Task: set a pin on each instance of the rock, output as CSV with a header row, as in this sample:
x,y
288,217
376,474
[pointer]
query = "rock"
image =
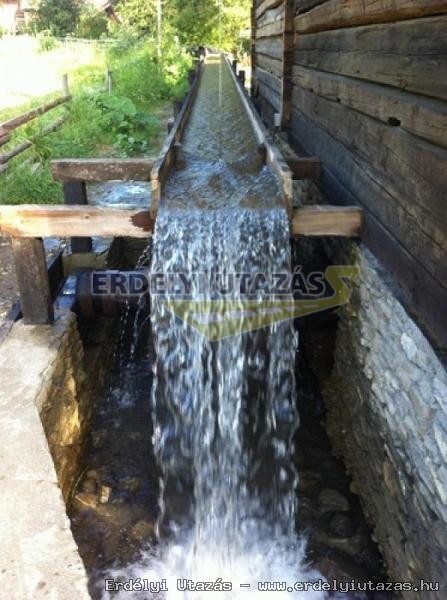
x,y
89,486
143,531
331,500
341,567
341,525
104,494
83,500
132,484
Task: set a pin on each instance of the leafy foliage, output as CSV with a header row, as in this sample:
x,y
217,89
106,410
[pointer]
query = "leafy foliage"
x,y
93,23
60,17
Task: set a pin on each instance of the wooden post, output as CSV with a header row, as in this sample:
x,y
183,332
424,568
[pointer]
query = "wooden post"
x,y
177,106
234,65
65,85
241,76
32,279
287,64
170,125
109,82
191,76
75,192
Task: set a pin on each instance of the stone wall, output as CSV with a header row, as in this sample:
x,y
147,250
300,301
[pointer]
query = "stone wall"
x,y
387,416
38,557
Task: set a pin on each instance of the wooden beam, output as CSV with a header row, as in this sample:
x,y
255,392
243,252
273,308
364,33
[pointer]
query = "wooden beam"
x,y
74,221
33,282
346,221
102,169
16,122
287,64
75,193
305,167
336,14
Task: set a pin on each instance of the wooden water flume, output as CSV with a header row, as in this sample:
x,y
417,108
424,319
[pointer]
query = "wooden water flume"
x,y
29,224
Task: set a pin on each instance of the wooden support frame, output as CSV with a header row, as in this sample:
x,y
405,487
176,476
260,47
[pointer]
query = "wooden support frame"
x,y
34,221
322,220
102,169
31,221
33,281
8,126
75,193
287,64
305,167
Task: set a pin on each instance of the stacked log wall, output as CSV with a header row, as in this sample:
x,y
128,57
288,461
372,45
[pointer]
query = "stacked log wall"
x,y
366,83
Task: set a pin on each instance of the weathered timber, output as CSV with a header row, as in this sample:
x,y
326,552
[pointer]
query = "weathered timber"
x,y
266,5
271,47
75,193
424,117
4,139
253,51
32,279
346,221
411,168
339,13
268,79
409,55
102,169
16,122
74,221
274,98
166,160
271,65
287,63
358,182
271,29
5,158
274,157
304,167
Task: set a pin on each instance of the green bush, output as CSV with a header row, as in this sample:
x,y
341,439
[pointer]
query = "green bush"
x,y
58,16
47,42
93,23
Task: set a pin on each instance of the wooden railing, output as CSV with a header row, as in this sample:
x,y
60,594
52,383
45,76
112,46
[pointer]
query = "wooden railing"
x,y
7,127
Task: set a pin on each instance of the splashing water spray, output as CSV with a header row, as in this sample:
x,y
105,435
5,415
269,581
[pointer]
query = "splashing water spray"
x,y
224,412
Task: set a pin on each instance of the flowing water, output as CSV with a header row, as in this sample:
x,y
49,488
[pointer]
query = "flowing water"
x,y
224,411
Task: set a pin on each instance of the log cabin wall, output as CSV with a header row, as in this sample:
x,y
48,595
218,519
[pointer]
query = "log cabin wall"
x,y
362,84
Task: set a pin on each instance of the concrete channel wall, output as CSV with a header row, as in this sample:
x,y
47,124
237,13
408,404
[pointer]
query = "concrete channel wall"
x,y
45,391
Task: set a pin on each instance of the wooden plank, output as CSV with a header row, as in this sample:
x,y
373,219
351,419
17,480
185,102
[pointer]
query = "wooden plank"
x,y
318,220
75,193
408,55
269,64
274,157
16,122
304,167
74,221
32,279
271,47
358,182
336,14
424,117
102,169
409,167
166,160
266,5
4,139
270,80
274,98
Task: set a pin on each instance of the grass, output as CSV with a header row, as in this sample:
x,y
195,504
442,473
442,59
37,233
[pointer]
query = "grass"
x,y
122,124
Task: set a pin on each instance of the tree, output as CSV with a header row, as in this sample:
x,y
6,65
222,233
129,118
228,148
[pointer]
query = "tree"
x,y
93,23
138,15
61,17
